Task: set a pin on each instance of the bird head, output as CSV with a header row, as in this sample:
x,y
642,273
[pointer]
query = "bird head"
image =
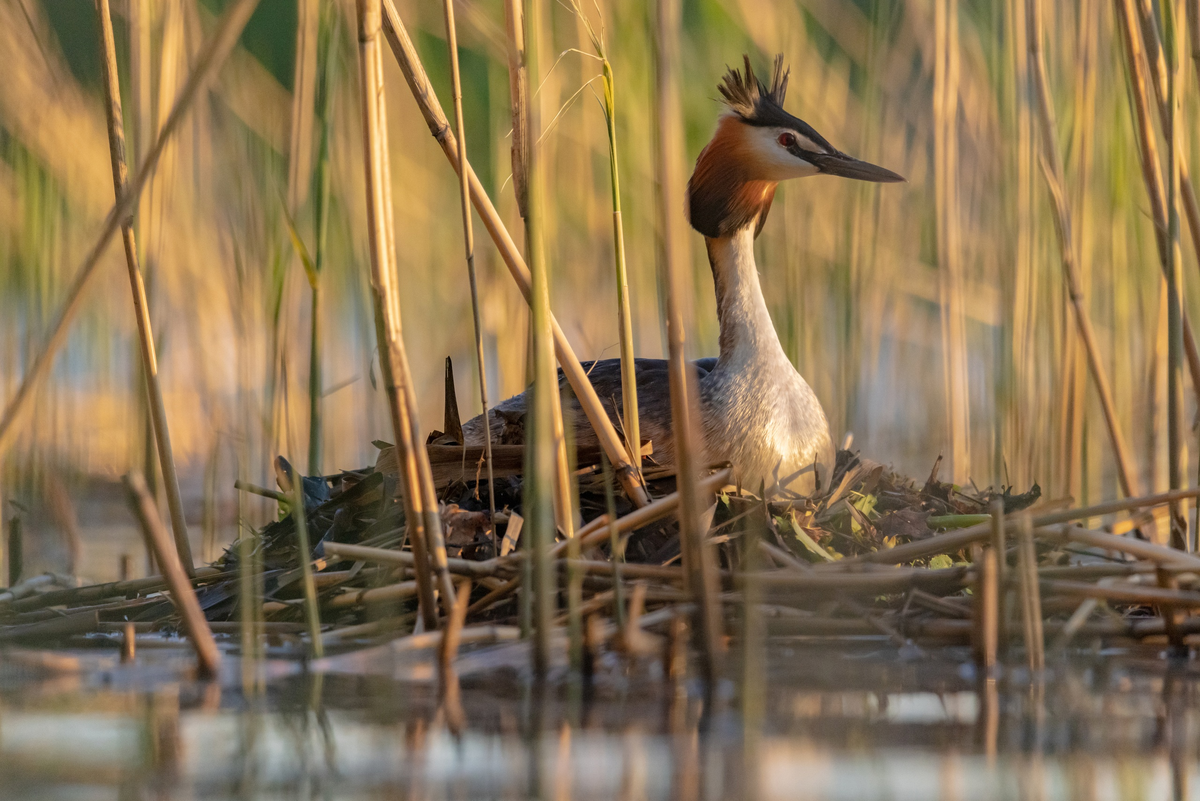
x,y
756,145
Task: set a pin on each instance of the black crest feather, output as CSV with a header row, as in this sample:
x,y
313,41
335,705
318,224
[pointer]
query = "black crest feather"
x,y
750,98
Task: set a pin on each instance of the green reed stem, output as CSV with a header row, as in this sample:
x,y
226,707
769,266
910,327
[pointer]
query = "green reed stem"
x,y
311,612
540,459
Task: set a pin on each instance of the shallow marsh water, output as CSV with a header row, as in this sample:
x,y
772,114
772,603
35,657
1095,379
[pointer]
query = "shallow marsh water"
x,y
860,722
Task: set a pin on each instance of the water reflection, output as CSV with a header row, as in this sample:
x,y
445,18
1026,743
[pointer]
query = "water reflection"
x,y
884,729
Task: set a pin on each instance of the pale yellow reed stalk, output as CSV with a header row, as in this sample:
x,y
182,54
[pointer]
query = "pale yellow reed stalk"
x,y
469,239
541,464
421,515
954,345
183,595
1053,171
158,412
697,556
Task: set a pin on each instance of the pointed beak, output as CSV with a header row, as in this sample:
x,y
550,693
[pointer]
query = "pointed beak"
x,y
837,163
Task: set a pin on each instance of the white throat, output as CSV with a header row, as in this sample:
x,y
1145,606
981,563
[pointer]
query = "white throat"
x,y
747,333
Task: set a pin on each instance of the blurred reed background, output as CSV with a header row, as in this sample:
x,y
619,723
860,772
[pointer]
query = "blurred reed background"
x,y
929,317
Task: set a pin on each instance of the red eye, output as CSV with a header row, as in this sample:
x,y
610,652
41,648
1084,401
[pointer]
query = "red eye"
x,y
787,140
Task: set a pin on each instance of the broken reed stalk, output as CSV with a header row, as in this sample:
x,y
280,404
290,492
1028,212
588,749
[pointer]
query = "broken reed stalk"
x,y
183,595
697,556
469,239
128,643
1031,599
564,506
393,360
311,613
158,413
389,556
435,119
1139,549
210,58
1052,170
254,489
540,454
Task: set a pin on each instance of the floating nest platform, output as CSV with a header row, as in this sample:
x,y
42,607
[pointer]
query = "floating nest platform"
x,y
874,554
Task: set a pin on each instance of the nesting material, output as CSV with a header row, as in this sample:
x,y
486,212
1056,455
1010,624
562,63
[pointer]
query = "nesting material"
x,y
816,571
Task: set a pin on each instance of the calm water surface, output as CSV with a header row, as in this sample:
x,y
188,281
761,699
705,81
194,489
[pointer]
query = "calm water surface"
x,y
864,722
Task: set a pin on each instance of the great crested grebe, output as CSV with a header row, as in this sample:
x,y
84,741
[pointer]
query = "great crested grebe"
x,y
757,412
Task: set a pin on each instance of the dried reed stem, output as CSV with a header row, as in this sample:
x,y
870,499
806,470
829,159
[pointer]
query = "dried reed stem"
x,y
1177,432
420,505
208,658
158,413
518,99
389,556
208,61
1074,364
250,590
595,531
1128,28
593,408
448,686
1158,74
469,239
1052,170
954,345
518,84
987,611
1164,66
1000,549
1031,598
697,556
522,59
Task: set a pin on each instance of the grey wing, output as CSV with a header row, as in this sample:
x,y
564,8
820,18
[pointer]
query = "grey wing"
x,y
654,404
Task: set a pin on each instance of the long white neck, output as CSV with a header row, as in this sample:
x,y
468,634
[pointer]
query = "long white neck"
x,y
747,333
